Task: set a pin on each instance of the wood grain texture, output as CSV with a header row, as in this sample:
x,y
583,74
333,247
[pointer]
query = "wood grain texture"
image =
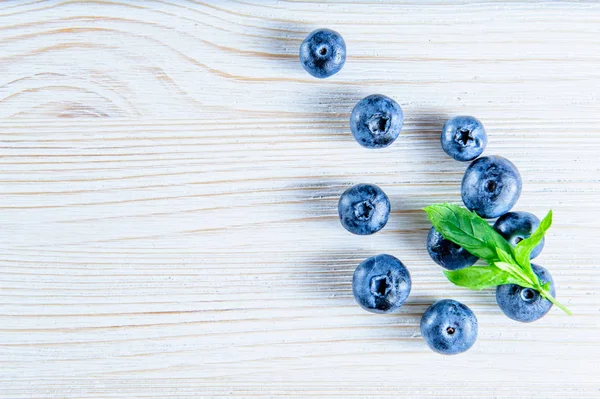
x,y
169,180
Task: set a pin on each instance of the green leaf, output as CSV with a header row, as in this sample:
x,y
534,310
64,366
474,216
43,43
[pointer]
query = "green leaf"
x,y
522,278
479,277
468,230
525,264
504,256
524,248
507,267
508,264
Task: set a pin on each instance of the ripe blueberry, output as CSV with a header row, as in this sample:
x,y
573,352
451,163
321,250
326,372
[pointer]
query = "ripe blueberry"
x,y
449,327
463,138
376,121
381,284
364,209
491,186
525,304
446,253
323,53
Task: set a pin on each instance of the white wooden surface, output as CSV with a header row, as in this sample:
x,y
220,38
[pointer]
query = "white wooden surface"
x,y
169,180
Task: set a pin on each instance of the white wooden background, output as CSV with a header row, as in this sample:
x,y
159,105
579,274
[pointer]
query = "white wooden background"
x,y
169,180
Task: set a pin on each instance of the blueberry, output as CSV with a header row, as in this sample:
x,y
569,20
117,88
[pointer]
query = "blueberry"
x,y
364,209
446,253
491,186
517,226
376,121
381,284
525,304
463,138
323,53
449,327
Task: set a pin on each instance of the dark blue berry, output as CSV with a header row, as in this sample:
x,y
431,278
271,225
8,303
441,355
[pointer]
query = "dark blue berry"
x,y
376,121
491,186
517,226
446,253
381,284
463,138
525,304
364,209
449,327
323,53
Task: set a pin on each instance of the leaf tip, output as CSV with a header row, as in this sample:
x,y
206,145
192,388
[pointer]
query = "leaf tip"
x,y
547,221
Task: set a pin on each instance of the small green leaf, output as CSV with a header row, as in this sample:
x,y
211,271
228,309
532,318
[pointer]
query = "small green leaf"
x,y
504,256
509,265
524,248
479,277
522,278
468,230
525,264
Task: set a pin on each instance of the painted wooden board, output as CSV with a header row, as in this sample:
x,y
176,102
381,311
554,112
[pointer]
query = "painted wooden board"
x,y
169,177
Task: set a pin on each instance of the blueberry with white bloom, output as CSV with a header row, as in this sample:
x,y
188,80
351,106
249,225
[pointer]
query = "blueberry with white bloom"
x,y
323,53
381,284
463,138
376,121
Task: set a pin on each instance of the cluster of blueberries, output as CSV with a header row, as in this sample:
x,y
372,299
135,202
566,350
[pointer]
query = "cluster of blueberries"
x,y
490,187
